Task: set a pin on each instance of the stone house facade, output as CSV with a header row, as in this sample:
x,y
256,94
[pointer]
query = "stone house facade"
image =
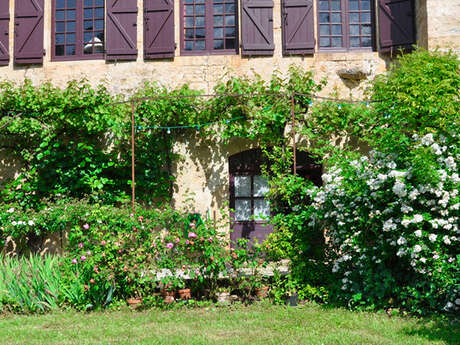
x,y
124,43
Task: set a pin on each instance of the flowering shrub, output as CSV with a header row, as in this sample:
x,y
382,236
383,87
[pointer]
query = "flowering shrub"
x,y
395,231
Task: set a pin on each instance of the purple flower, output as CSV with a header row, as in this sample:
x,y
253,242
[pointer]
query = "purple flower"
x,y
86,226
169,245
80,245
82,258
74,261
192,235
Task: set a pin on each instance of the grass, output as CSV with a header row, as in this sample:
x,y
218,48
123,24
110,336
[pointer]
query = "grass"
x,y
261,323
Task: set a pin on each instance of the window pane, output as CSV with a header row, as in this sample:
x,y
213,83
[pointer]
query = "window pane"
x,y
88,37
60,26
242,186
70,14
88,13
324,42
337,42
60,4
71,26
188,1
230,8
261,209
230,43
229,20
365,4
60,39
60,15
366,17
99,24
335,5
189,33
70,50
188,45
218,44
367,42
199,1
336,17
200,45
218,9
218,20
365,29
354,42
354,17
59,51
324,18
70,38
260,186
99,2
88,3
70,3
199,21
189,9
219,33
229,32
354,5
242,210
199,9
188,22
354,30
324,30
88,25
324,5
199,33
336,29
99,13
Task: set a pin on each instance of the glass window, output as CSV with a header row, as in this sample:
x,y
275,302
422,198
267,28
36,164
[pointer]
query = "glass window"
x,y
345,24
209,26
78,29
250,203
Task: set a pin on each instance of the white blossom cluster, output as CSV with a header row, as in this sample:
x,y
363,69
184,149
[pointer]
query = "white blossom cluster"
x,y
377,213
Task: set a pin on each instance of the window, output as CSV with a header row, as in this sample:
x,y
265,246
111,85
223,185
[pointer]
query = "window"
x,y
78,29
249,198
345,24
208,26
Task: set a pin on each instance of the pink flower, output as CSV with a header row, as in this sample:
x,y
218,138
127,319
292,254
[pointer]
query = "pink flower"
x,y
169,245
74,261
192,225
192,235
140,218
82,258
187,241
103,243
210,239
80,245
86,226
177,240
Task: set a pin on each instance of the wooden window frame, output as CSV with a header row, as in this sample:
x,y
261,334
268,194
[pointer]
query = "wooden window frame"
x,y
209,28
79,35
346,30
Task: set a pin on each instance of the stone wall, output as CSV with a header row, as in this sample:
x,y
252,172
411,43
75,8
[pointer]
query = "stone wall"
x,y
443,24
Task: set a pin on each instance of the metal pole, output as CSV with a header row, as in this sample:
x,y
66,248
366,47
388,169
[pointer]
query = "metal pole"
x,y
133,179
293,133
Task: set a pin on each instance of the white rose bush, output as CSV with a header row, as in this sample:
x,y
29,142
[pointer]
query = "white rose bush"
x,y
393,226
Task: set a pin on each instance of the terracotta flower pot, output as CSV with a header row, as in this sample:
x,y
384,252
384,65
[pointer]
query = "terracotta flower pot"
x,y
134,302
262,292
169,296
184,293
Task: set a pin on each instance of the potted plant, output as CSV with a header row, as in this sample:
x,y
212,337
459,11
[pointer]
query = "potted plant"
x,y
168,288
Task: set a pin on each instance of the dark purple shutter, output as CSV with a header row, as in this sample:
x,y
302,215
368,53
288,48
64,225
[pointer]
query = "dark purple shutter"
x,y
397,25
298,27
28,31
159,29
121,27
257,27
4,29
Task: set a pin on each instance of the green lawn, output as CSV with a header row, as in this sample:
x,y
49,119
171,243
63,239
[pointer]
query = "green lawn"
x,y
258,324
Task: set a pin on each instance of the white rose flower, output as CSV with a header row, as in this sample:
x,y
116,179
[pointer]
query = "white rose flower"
x,y
10,210
432,237
418,218
31,223
423,260
417,248
446,239
399,189
401,241
418,233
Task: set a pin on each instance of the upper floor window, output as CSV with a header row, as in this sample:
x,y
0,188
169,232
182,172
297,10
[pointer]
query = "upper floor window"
x,y
345,24
208,26
78,29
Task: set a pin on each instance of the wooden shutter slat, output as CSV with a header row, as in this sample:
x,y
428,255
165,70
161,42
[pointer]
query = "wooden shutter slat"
x,y
121,27
257,27
4,33
159,29
397,25
298,27
29,31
